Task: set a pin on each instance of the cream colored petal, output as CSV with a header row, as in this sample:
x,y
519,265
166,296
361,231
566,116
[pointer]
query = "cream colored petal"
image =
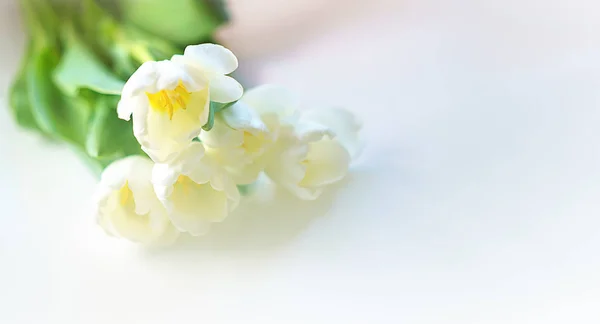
x,y
186,161
241,116
202,172
225,89
284,164
288,171
235,149
199,106
153,76
163,136
142,80
222,135
125,108
161,155
234,157
307,131
270,99
326,162
168,75
196,205
303,167
130,225
140,127
306,193
231,191
212,57
219,180
256,144
116,173
343,123
195,163
247,173
163,177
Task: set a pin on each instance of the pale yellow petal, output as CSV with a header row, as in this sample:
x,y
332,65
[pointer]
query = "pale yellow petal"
x,y
195,205
326,162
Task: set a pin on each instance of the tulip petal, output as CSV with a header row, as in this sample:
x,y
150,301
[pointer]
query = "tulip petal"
x,y
307,131
215,58
271,99
196,205
143,79
188,161
225,89
284,163
222,136
342,123
326,162
247,173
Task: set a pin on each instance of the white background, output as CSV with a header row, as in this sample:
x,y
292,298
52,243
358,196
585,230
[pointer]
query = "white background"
x,y
477,199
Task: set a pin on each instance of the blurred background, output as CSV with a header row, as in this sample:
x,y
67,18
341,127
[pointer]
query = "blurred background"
x,y
477,198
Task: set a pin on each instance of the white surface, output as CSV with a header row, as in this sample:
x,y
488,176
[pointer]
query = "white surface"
x,y
476,201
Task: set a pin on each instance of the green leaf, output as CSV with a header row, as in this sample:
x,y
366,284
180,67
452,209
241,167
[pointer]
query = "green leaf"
x,y
19,99
41,20
55,114
109,137
19,102
180,21
225,106
244,189
79,68
40,92
95,145
218,7
251,188
97,29
123,64
144,46
214,106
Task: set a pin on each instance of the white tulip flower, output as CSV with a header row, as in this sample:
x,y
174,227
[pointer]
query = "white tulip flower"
x,y
170,100
127,207
194,190
245,131
309,156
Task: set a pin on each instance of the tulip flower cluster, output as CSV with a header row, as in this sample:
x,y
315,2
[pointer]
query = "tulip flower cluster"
x,y
204,137
78,56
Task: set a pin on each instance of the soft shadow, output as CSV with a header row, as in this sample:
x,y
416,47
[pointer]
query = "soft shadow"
x,y
267,223
263,225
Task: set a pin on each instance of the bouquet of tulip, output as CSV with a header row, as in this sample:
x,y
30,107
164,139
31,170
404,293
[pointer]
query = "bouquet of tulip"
x,y
180,139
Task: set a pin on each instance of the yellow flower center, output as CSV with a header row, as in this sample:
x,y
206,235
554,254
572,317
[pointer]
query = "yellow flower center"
x,y
126,197
253,144
170,101
129,219
186,183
